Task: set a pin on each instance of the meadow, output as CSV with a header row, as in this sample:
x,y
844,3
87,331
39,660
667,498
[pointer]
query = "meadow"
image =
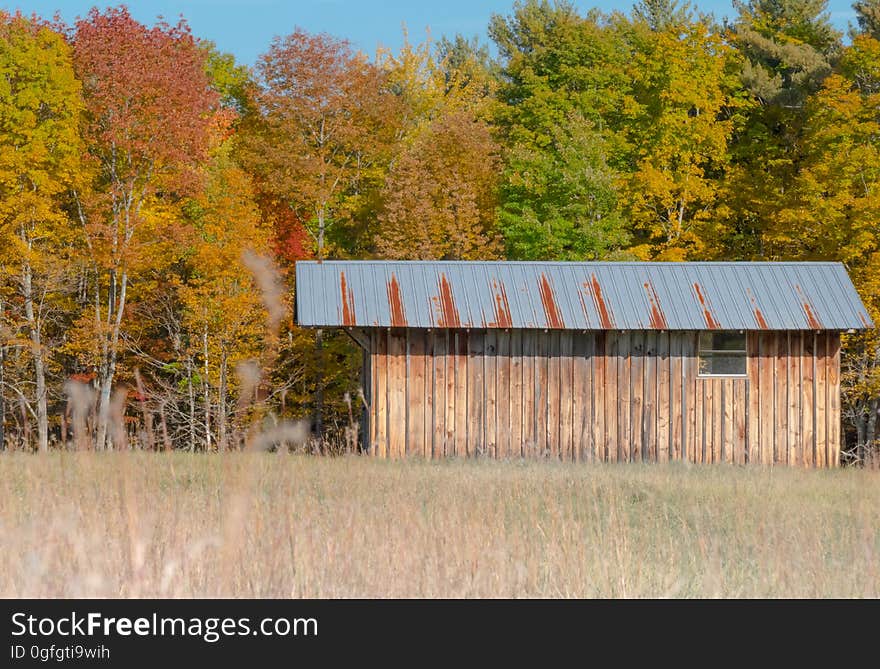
x,y
271,525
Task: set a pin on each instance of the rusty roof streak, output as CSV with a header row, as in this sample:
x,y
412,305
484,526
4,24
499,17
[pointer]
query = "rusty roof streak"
x,y
711,323
809,311
395,303
551,309
658,319
503,318
347,301
606,319
759,317
448,311
864,320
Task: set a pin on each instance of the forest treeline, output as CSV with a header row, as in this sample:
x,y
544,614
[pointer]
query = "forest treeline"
x,y
155,194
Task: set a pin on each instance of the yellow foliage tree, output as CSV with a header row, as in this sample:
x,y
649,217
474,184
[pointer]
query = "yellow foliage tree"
x,y
39,162
680,135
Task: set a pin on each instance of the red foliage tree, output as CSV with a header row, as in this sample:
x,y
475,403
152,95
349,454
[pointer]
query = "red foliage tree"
x,y
149,108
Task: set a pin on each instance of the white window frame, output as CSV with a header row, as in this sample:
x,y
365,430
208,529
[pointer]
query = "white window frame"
x,y
744,353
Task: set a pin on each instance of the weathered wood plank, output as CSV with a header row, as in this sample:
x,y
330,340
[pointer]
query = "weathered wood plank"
x,y
579,387
753,399
794,388
382,397
415,392
781,394
712,427
397,360
834,399
710,420
582,396
490,380
692,427
663,409
503,391
740,426
611,399
808,413
440,342
530,401
542,381
649,401
717,419
728,401
624,396
637,393
767,416
517,434
599,396
554,397
460,428
449,405
821,400
677,406
476,398
595,443
428,423
566,395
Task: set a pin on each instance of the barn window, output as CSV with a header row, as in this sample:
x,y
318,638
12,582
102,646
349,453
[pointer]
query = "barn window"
x,y
722,354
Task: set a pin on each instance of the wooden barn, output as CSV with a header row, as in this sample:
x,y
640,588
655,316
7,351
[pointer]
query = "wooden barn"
x,y
704,362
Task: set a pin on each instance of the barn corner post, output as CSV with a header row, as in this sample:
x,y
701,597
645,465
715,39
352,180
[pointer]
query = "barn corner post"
x,y
735,363
363,340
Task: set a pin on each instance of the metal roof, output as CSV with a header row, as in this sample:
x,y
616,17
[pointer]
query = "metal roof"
x,y
585,295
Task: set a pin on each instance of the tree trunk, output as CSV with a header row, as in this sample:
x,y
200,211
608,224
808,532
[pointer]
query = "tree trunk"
x,y
115,308
871,431
221,403
207,393
192,404
35,327
103,432
25,423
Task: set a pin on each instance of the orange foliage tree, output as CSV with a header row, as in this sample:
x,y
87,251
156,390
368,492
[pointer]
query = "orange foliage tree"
x,y
441,194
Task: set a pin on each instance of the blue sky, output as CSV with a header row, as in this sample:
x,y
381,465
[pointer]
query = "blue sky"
x,y
245,27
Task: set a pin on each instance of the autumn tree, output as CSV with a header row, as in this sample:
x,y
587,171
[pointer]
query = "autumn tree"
x,y
466,63
318,140
787,49
684,94
223,314
319,130
40,152
868,17
441,194
148,104
564,95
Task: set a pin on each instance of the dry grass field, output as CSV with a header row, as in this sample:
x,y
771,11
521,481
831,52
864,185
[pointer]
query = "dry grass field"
x,y
265,525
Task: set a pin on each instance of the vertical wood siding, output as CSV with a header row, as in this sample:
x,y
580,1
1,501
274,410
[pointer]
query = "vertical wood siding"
x,y
601,396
